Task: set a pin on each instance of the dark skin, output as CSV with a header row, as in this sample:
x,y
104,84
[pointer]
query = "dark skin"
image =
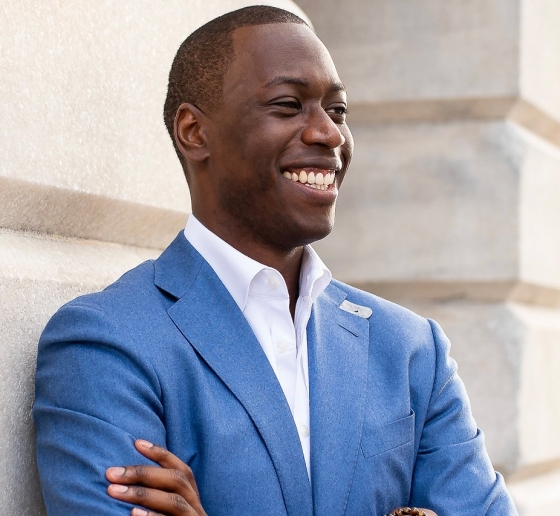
x,y
168,490
283,110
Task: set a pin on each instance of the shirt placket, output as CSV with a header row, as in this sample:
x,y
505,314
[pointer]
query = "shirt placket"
x,y
301,404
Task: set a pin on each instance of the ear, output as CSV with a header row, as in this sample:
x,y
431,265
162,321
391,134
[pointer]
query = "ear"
x,y
189,133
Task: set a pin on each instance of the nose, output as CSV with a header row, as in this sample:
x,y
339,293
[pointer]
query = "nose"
x,y
321,129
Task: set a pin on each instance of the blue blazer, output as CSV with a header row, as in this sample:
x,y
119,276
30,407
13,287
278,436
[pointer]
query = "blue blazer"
x,y
165,354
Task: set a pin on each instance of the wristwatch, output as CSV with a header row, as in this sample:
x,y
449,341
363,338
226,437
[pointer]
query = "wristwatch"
x,y
407,511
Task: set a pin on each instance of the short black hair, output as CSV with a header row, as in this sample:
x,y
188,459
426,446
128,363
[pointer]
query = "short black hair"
x,y
198,70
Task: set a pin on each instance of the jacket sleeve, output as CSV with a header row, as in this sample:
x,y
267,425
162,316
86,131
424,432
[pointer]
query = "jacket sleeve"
x,y
94,396
453,474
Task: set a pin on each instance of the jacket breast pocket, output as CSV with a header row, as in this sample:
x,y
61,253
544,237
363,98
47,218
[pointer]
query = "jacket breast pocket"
x,y
385,437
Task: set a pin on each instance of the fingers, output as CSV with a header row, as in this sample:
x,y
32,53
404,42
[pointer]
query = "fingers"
x,y
142,512
169,481
165,459
169,489
170,504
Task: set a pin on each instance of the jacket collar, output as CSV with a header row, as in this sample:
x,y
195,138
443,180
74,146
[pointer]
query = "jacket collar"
x,y
177,267
338,343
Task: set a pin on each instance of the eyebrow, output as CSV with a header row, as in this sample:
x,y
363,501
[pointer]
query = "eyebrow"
x,y
298,81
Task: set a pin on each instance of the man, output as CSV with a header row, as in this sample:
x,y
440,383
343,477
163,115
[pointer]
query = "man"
x,y
284,391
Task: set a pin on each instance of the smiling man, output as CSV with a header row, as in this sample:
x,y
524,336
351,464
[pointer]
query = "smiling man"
x,y
280,390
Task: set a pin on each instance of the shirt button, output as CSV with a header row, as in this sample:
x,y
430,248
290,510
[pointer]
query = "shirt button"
x,y
304,430
272,283
282,346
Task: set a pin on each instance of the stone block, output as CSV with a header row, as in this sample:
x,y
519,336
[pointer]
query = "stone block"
x,y
537,495
93,264
539,49
539,212
445,194
539,393
86,86
398,50
450,206
30,206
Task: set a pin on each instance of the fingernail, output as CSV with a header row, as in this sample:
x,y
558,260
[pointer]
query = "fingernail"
x,y
144,444
117,488
116,472
139,512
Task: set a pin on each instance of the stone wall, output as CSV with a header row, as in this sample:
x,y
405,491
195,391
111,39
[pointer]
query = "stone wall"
x,y
451,207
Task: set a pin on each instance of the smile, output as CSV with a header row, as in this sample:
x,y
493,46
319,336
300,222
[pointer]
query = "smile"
x,y
314,178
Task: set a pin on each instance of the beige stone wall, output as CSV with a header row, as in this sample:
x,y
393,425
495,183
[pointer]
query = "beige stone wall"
x,y
89,182
452,206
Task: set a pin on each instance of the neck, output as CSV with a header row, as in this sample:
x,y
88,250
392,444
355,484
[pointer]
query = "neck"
x,y
289,265
286,260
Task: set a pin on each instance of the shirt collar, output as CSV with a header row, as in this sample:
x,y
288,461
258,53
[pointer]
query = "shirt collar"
x,y
314,276
237,271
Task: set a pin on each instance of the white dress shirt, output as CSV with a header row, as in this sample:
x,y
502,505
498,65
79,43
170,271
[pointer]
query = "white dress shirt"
x,y
262,296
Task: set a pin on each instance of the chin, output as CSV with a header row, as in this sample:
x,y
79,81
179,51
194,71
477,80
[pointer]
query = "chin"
x,y
309,234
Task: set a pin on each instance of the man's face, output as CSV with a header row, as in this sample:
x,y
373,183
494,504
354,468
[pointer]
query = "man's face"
x,y
282,118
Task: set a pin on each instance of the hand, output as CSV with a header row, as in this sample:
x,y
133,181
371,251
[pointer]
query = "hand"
x,y
169,490
427,511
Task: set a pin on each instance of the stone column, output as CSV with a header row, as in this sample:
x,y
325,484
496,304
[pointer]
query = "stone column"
x,y
452,205
89,182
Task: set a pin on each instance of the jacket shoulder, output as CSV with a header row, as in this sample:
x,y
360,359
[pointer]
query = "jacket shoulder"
x,y
121,308
400,320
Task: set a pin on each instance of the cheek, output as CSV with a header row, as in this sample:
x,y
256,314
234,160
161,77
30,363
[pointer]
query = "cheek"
x,y
250,143
251,152
348,149
259,159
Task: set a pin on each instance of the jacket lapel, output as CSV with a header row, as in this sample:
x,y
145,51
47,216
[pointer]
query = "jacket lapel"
x,y
338,360
209,319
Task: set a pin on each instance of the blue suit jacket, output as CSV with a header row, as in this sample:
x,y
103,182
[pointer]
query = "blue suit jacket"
x,y
165,354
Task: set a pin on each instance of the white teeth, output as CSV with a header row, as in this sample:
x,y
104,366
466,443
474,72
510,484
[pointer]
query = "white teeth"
x,y
319,180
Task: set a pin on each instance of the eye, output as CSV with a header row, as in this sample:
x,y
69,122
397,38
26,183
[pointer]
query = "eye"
x,y
340,110
338,113
287,106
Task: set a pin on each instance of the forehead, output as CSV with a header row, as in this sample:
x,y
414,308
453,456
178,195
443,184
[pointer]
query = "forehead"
x,y
264,53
